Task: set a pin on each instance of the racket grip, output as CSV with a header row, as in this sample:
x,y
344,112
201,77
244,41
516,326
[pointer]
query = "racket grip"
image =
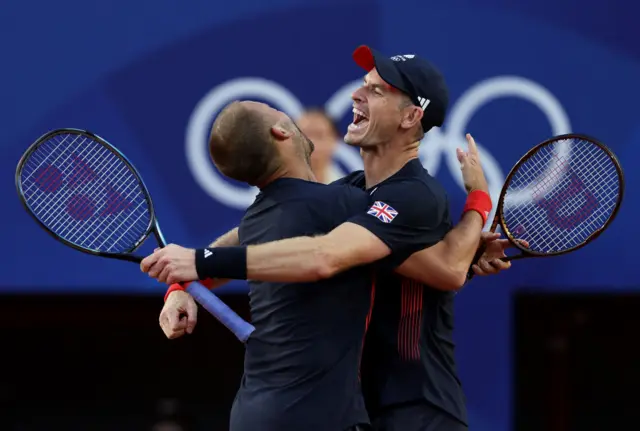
x,y
221,311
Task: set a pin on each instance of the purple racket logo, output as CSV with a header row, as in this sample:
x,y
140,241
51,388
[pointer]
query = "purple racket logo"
x,y
116,203
81,173
563,209
563,192
85,193
48,179
80,206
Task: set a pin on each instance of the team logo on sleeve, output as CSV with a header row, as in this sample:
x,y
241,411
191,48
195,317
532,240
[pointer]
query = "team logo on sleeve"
x,y
382,211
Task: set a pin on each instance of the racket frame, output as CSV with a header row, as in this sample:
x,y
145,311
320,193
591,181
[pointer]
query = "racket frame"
x,y
499,216
153,222
241,328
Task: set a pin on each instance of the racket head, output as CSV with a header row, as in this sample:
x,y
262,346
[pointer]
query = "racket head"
x,y
85,193
566,176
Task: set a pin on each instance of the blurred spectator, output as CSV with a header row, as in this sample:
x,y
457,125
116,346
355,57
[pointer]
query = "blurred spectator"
x,y
322,130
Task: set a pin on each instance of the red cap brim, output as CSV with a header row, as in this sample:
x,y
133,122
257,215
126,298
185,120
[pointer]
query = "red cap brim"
x,y
364,58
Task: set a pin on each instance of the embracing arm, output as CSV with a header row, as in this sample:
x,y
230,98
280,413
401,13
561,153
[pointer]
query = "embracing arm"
x,y
397,226
306,259
445,265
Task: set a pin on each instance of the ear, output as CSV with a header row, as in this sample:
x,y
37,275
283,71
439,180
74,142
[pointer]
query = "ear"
x,y
411,117
280,133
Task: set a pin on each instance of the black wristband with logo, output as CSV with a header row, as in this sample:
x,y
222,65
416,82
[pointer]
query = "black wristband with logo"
x,y
222,262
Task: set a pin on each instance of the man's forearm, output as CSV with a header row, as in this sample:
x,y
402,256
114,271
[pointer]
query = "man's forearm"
x,y
289,261
444,265
295,260
463,240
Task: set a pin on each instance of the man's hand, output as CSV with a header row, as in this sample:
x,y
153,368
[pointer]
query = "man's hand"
x,y
172,264
490,262
471,168
178,304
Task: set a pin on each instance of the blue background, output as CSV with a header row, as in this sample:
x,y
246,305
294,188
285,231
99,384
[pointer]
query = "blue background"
x,y
133,72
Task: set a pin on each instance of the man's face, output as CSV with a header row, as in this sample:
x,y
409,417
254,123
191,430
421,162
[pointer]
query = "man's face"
x,y
298,142
302,145
377,112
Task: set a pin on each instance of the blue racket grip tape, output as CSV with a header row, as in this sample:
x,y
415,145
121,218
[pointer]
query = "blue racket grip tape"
x,y
221,311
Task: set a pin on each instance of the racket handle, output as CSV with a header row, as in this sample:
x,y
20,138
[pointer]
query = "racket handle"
x,y
221,311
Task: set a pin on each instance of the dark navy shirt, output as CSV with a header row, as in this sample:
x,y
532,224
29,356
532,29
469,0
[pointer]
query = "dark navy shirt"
x,y
409,351
301,362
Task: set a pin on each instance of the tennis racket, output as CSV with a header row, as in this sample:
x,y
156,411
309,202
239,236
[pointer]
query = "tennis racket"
x,y
87,195
559,197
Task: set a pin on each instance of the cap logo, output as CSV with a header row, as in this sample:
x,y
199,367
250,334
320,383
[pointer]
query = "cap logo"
x,y
423,102
404,57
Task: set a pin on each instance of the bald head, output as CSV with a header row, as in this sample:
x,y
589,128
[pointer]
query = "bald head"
x,y
241,143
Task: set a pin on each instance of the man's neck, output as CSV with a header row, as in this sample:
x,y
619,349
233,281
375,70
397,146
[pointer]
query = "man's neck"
x,y
384,161
321,168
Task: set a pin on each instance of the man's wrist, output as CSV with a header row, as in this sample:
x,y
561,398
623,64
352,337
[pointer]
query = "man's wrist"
x,y
174,287
480,202
222,262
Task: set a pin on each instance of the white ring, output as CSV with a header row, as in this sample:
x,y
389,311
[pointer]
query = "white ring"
x,y
199,124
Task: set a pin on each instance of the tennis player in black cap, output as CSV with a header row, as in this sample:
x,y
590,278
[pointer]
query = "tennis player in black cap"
x,y
408,370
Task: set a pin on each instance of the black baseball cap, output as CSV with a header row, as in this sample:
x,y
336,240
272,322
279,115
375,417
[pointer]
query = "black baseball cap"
x,y
412,75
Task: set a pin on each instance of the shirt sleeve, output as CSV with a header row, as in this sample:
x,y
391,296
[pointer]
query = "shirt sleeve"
x,y
407,216
355,179
353,201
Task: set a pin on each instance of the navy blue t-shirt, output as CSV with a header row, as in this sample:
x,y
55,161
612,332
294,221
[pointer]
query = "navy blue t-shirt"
x,y
409,350
301,362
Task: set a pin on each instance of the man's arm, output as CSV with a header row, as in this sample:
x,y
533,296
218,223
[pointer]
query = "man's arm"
x,y
445,265
156,267
305,259
180,312
229,239
396,223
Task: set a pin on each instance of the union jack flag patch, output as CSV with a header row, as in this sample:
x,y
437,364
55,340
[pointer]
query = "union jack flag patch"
x,y
382,211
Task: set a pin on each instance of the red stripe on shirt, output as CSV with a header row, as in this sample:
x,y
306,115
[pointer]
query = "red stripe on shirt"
x,y
368,319
409,326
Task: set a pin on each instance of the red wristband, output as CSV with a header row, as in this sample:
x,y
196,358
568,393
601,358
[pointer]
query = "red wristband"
x,y
208,283
480,202
173,288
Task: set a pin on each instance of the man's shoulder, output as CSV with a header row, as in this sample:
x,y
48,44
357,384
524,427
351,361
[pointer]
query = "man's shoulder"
x,y
331,204
414,184
337,190
355,178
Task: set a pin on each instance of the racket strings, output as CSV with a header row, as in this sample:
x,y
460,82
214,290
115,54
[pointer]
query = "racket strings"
x,y
572,204
561,195
50,207
85,193
46,204
83,206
